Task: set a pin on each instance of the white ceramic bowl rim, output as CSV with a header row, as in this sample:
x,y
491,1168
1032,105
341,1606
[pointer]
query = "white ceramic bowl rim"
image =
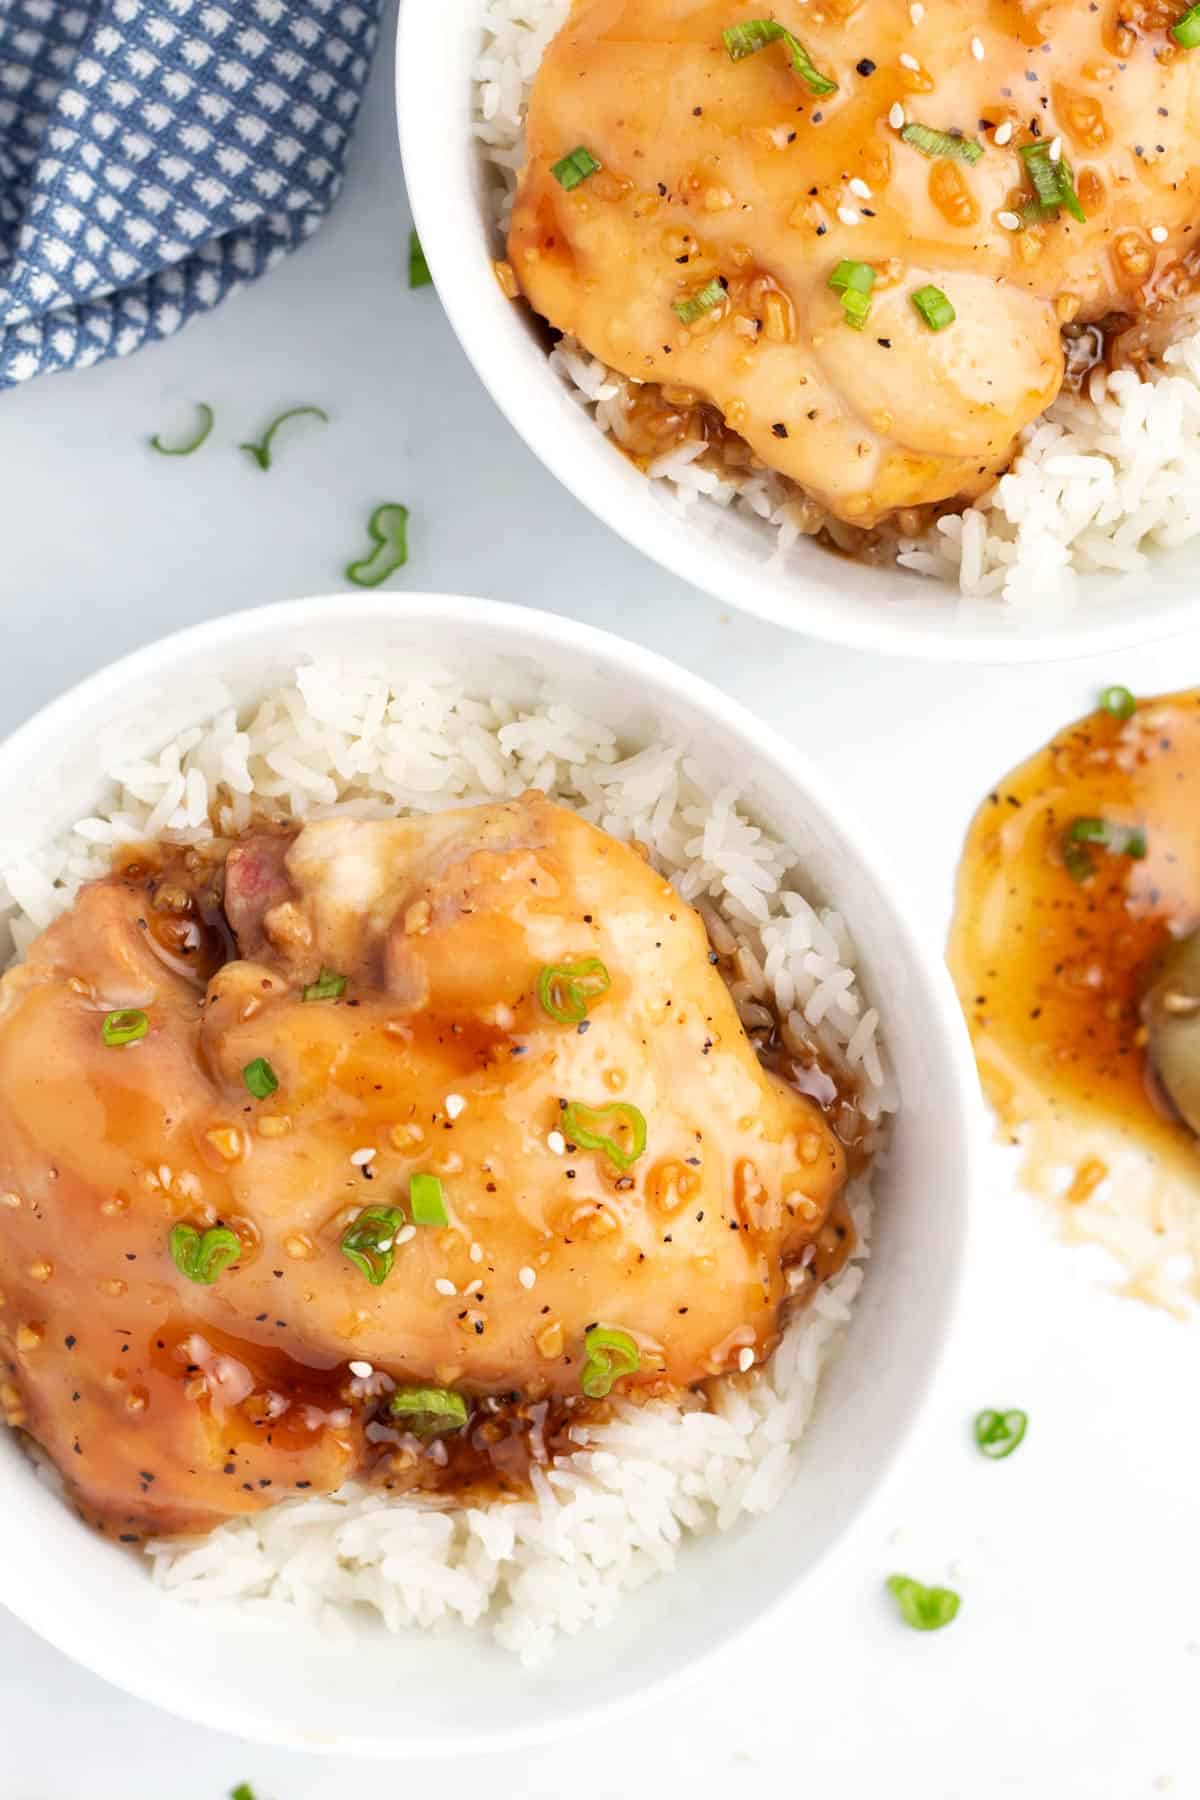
x,y
810,591
35,1581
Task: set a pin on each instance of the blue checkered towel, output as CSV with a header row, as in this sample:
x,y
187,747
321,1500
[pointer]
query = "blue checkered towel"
x,y
157,154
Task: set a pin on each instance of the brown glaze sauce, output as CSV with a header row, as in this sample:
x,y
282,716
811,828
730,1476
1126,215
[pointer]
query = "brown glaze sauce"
x,y
281,1397
1051,973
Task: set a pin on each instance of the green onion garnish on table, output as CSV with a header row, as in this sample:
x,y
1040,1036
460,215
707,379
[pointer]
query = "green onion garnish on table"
x,y
388,530
608,1354
853,282
418,268
581,1126
756,34
574,168
1119,702
695,308
124,1027
202,1256
205,425
428,1411
998,1433
1052,181
934,308
260,1078
931,142
262,452
329,985
924,1608
427,1201
1186,29
564,989
370,1242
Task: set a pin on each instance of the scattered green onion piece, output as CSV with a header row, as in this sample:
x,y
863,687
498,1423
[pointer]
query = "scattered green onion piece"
x,y
243,1791
924,1608
756,34
418,268
427,1199
203,1256
1186,29
564,989
856,308
329,986
999,1433
1118,700
709,296
1119,840
1088,831
580,1124
934,308
1053,182
427,1412
207,416
853,281
260,1078
1135,845
574,168
370,1241
262,452
931,142
387,529
124,1027
1078,863
608,1355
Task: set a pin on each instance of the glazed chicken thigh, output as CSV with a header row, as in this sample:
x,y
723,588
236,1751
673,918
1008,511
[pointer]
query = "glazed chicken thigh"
x,y
715,169
395,1009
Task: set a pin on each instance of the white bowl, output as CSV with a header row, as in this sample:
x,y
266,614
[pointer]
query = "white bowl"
x,y
422,1695
808,590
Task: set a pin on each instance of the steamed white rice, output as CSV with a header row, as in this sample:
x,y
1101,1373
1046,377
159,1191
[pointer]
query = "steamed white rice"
x,y
607,1519
1101,479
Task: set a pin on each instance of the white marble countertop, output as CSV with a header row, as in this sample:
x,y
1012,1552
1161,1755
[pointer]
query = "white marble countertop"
x,y
1073,1667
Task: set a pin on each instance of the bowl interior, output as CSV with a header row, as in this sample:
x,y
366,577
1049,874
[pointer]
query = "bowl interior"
x,y
728,555
420,1694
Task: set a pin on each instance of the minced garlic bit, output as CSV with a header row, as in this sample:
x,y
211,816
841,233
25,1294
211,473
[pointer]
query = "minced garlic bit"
x,y
226,1141
274,1125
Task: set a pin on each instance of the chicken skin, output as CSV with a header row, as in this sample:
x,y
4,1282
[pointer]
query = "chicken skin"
x,y
734,171
503,999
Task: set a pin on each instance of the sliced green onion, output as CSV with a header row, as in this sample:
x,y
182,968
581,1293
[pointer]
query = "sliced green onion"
x,y
934,308
427,1199
709,296
924,1608
418,268
428,1412
1078,863
608,1355
243,1791
1118,840
1053,182
574,168
329,986
581,1125
1119,702
205,425
999,1433
370,1242
202,1256
931,142
260,1078
854,281
564,989
262,452
124,1027
1088,831
387,529
1135,845
756,34
1186,29
856,308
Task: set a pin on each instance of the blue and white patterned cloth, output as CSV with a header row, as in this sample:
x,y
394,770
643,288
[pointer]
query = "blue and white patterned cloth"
x,y
155,155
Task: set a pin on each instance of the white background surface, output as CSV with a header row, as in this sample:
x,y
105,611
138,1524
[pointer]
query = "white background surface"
x,y
1072,1671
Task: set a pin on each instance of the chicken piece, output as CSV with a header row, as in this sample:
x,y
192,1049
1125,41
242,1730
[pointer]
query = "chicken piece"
x,y
437,1057
736,171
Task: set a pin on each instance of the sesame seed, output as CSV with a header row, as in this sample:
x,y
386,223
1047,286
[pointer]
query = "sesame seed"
x,y
745,1358
977,50
916,12
454,1105
526,1276
909,62
1159,234
858,186
1011,221
1056,149
362,1370
445,1287
557,1142
1002,133
405,1235
847,215
476,1253
896,117
360,1158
